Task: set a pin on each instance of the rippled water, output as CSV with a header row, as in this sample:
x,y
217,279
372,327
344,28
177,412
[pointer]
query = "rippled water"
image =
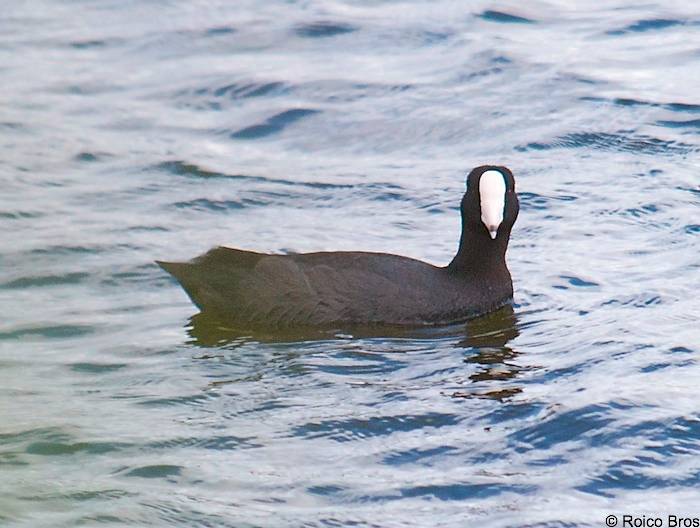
x,y
133,131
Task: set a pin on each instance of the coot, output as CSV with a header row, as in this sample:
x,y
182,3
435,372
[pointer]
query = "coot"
x,y
335,289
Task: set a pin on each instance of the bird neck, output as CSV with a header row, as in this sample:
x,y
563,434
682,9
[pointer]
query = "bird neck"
x,y
478,254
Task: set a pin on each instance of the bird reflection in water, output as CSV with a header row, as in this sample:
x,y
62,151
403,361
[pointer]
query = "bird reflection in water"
x,y
206,330
210,332
486,343
484,340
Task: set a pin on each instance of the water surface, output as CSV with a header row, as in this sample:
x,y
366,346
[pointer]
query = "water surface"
x,y
135,131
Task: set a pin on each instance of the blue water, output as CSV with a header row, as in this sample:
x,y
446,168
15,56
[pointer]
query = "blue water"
x,y
141,130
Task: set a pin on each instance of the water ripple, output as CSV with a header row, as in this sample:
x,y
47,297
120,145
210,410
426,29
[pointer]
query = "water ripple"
x,y
157,471
503,17
623,142
323,29
692,123
353,429
642,26
630,102
220,96
273,125
58,331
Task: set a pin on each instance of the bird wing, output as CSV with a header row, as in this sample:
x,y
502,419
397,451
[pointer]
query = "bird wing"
x,y
306,289
339,287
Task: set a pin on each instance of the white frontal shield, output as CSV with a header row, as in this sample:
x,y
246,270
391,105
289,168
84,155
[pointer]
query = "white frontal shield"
x,y
492,194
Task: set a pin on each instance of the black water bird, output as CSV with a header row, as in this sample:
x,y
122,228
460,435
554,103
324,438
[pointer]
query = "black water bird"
x,y
344,288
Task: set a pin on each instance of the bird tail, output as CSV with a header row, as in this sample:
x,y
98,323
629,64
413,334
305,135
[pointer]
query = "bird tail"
x,y
186,275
